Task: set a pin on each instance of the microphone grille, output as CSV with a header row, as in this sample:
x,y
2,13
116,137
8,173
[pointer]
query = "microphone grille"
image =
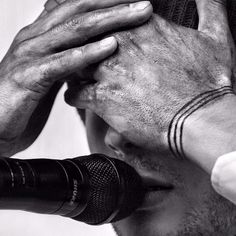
x,y
115,190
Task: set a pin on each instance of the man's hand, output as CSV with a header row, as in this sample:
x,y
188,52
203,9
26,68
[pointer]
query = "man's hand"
x,y
161,74
54,46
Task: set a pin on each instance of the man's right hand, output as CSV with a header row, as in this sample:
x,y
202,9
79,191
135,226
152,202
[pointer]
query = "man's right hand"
x,y
53,47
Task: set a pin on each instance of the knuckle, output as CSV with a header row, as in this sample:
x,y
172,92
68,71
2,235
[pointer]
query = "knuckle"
x,y
74,23
89,23
45,70
83,55
20,75
78,24
86,25
80,5
22,34
21,49
99,18
17,51
52,68
95,17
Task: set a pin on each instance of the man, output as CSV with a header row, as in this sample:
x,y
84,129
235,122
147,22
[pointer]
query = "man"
x,y
43,53
132,86
160,64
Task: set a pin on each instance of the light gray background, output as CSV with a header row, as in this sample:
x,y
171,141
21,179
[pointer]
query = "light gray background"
x,y
63,136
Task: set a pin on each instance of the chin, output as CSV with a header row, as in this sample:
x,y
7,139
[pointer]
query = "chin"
x,y
218,219
164,219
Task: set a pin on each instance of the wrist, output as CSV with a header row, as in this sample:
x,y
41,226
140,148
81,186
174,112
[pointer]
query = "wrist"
x,y
211,132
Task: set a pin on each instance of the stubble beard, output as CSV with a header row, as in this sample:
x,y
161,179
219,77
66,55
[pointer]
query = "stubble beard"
x,y
217,219
216,216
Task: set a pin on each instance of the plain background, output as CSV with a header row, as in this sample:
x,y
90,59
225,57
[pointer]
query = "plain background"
x,y
62,137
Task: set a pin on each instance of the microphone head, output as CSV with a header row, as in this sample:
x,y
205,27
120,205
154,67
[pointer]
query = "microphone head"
x,y
115,190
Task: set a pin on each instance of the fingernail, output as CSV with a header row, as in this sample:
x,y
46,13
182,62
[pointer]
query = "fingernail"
x,y
140,5
107,41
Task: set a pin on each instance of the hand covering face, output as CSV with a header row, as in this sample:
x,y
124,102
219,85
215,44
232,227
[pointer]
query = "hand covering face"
x,y
161,74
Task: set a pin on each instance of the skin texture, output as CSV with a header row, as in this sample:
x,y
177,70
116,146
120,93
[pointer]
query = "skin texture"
x,y
192,207
44,53
136,96
158,69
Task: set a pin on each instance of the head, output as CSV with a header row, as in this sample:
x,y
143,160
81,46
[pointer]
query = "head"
x,y
191,207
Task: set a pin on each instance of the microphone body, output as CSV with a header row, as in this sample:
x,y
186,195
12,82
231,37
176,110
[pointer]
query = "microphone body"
x,y
93,189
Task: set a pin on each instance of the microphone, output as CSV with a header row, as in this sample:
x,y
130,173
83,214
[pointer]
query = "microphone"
x,y
94,189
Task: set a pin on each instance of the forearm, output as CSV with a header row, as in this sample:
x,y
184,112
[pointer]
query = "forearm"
x,y
211,132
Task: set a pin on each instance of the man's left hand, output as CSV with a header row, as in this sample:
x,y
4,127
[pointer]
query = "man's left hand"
x,y
159,69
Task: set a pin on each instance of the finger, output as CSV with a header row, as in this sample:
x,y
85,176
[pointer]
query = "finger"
x,y
55,13
80,29
60,10
62,64
46,20
86,5
82,97
48,7
213,19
